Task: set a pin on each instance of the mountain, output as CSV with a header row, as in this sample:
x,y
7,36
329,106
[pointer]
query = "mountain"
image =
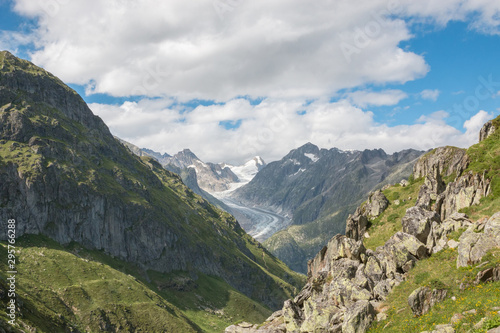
x,y
79,195
247,171
211,177
416,258
316,189
188,175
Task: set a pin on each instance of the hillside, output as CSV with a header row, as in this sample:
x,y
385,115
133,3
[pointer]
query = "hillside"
x,y
420,257
65,177
317,189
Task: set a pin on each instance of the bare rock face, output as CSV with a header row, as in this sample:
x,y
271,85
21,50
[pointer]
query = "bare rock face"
x,y
418,221
433,186
421,300
487,130
438,236
464,192
358,317
338,247
356,225
450,160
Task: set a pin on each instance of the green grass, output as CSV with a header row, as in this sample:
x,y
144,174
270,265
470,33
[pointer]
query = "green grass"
x,y
389,222
439,271
485,158
88,289
482,297
85,294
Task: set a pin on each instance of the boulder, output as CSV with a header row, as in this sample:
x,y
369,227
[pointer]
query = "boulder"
x,y
473,245
417,222
373,269
358,317
377,203
397,251
421,300
382,289
488,275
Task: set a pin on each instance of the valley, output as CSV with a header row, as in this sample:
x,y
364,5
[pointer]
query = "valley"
x,y
259,223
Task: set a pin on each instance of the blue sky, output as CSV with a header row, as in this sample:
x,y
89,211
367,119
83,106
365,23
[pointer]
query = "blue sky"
x,y
233,79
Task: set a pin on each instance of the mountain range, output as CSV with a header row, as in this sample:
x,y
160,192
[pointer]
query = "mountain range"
x,y
316,189
70,184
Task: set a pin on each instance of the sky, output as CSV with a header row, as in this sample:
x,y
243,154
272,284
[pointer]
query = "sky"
x,y
231,79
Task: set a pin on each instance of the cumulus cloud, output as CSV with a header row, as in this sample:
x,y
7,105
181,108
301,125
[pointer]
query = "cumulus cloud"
x,y
283,52
274,127
222,49
430,94
363,98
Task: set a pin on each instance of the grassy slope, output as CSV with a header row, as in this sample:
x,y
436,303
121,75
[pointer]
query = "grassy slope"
x,y
89,289
440,269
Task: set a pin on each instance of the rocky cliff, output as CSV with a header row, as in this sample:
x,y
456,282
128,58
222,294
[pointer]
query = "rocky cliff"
x,y
63,175
348,283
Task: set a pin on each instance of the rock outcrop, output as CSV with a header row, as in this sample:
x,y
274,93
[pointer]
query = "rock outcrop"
x,y
464,192
346,281
487,130
418,221
477,240
357,223
451,160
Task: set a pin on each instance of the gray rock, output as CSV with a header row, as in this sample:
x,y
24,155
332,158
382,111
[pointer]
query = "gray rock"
x,y
473,245
358,317
382,289
487,130
338,247
450,159
438,236
464,192
488,275
398,250
356,225
293,316
373,269
421,300
417,222
377,203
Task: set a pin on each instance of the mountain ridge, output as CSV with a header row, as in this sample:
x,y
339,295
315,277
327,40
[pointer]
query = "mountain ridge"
x,y
63,175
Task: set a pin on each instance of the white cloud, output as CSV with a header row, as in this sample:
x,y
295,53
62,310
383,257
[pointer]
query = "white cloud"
x,y
257,48
429,94
274,127
363,98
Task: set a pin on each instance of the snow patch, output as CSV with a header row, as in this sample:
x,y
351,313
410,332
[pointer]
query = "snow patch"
x,y
312,157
